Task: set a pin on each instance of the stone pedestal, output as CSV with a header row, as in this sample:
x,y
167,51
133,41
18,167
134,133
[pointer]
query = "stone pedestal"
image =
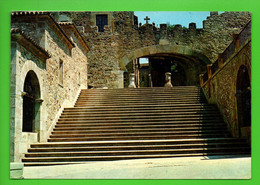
x,y
132,81
16,170
168,79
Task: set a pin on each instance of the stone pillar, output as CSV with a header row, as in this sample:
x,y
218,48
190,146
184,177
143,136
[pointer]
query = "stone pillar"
x,y
132,81
209,68
220,60
236,41
168,80
201,79
38,118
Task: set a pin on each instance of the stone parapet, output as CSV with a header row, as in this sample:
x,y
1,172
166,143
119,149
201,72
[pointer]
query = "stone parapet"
x,y
122,37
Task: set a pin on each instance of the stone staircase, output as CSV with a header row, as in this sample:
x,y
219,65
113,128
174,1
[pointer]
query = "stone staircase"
x,y
117,124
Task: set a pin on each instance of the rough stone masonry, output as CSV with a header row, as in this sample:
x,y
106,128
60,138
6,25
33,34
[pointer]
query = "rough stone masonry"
x,y
122,36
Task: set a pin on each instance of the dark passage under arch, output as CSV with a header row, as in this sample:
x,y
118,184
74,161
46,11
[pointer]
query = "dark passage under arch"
x,y
32,92
243,92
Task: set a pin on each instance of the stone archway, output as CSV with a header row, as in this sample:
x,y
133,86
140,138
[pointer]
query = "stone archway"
x,y
243,96
150,50
189,63
31,104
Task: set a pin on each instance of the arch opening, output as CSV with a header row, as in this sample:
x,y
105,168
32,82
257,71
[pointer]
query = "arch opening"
x,y
184,70
162,65
243,96
31,108
184,64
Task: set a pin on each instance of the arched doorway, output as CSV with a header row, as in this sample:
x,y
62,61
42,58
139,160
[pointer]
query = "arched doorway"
x,y
184,63
243,95
30,105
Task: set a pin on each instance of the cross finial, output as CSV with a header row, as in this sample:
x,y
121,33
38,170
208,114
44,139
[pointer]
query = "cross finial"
x,y
146,19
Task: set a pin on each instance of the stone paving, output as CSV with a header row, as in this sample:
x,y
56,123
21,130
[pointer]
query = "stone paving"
x,y
221,167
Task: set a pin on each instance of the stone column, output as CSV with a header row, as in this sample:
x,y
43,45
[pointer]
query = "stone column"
x,y
168,79
220,60
38,118
201,79
209,68
236,41
132,80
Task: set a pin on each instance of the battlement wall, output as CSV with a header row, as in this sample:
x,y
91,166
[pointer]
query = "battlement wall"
x,y
123,36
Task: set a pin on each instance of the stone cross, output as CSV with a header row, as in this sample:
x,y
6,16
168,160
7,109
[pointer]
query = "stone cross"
x,y
146,19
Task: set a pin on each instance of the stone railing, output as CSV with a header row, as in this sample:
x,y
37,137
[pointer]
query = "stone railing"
x,y
220,82
238,41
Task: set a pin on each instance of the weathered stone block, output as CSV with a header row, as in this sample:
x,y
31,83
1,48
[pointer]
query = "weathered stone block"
x,y
16,170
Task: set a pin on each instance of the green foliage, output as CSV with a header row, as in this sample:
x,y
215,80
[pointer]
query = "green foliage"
x,y
171,26
173,68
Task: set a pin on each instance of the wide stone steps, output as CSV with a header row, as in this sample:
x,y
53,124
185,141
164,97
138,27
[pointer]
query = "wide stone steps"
x,y
175,142
146,97
136,114
133,111
131,104
140,97
125,102
139,117
146,106
135,120
146,89
131,152
106,158
73,159
127,148
120,128
78,152
121,124
136,137
139,132
131,129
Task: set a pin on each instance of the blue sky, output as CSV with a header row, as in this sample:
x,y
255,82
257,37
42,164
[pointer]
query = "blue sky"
x,y
183,18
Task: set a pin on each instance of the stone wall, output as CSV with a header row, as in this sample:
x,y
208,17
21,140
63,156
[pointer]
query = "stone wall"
x,y
220,86
22,62
74,74
55,94
122,37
